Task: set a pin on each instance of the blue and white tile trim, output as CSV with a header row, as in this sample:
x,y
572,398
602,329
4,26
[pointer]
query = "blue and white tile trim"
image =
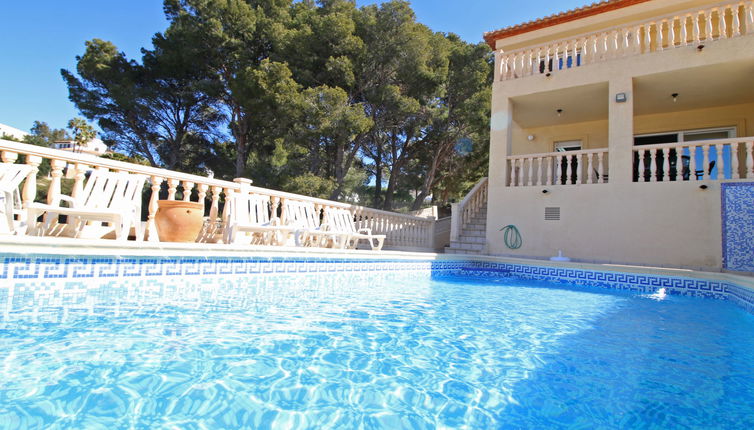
x,y
36,269
634,282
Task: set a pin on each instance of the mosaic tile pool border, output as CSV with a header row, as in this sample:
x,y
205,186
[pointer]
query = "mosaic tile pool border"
x,y
24,268
624,281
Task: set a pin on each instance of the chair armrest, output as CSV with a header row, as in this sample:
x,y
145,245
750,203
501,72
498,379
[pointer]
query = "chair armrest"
x,y
324,227
71,202
365,230
275,221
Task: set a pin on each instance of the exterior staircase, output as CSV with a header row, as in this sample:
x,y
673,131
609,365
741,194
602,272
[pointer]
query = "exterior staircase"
x,y
468,226
471,239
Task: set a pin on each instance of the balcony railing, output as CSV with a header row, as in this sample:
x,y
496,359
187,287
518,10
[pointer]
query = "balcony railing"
x,y
404,232
688,28
588,166
468,208
695,161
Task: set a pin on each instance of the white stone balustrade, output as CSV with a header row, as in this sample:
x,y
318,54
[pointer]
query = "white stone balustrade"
x,y
589,166
702,160
688,28
404,232
463,212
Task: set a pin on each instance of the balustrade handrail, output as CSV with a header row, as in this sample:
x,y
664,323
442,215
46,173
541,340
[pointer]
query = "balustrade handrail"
x,y
624,40
710,142
473,192
92,160
559,153
402,230
631,25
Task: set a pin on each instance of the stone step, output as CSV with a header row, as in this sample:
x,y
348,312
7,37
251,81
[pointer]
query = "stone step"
x,y
472,246
478,227
472,233
471,239
449,250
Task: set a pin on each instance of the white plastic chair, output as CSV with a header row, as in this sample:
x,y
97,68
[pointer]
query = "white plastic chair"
x,y
249,221
341,220
12,216
111,197
304,218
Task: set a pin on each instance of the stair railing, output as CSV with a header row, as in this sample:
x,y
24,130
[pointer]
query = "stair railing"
x,y
463,212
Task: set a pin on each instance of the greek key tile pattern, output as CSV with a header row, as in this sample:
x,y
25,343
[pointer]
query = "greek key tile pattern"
x,y
634,282
36,270
738,225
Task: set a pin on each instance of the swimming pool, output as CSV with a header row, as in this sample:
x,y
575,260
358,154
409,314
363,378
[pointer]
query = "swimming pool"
x,y
234,343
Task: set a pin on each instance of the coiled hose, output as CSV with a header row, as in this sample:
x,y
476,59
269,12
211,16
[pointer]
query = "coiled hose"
x,y
512,237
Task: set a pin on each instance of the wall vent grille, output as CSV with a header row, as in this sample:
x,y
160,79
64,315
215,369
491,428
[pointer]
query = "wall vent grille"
x,y
552,214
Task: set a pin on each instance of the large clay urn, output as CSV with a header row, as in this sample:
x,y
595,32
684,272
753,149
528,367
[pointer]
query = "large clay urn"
x,y
179,221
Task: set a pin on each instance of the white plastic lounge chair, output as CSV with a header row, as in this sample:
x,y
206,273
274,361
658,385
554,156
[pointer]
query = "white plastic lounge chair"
x,y
110,197
249,221
12,216
304,219
341,220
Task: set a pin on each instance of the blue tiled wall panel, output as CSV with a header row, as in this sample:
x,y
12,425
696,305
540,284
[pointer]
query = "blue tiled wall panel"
x,y
37,269
738,225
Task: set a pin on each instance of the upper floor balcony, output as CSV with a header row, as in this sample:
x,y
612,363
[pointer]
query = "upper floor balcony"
x,y
691,27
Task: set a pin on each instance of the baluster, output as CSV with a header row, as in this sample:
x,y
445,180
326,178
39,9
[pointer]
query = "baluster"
x,y
538,61
666,165
749,16
736,21
556,57
637,40
578,166
589,175
172,187
684,31
697,28
600,168
648,37
29,192
503,67
512,182
214,205
548,172
660,35
591,50
187,187
679,163
548,58
56,172
703,167
749,164
652,165
9,157
642,166
569,170
722,26
559,167
735,174
671,32
154,196
708,26
202,188
530,179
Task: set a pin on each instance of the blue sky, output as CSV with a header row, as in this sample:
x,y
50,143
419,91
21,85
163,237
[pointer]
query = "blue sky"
x,y
39,37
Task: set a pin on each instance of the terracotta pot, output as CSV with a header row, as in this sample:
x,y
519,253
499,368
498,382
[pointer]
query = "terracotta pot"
x,y
179,221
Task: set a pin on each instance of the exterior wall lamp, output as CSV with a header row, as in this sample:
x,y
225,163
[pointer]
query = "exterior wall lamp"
x,y
621,98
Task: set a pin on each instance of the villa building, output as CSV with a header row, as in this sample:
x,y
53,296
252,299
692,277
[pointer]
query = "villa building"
x,y
93,147
621,132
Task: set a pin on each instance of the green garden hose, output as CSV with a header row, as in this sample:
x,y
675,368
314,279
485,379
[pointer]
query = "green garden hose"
x,y
512,237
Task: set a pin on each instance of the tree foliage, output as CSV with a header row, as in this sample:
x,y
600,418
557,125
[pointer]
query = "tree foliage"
x,y
321,98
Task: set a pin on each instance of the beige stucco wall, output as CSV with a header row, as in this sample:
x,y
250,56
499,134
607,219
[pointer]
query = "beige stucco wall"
x,y
657,224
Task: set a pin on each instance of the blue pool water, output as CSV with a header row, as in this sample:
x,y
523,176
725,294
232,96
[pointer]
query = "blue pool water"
x,y
369,351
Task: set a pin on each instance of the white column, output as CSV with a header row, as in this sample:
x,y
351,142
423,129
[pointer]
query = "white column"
x,y
621,130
